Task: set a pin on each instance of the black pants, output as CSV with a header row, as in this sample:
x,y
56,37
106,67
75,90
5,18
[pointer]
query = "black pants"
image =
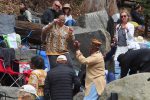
x,y
52,60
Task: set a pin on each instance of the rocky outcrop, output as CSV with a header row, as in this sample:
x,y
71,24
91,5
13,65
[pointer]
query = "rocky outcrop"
x,y
92,25
79,96
30,31
98,5
133,87
111,7
11,93
94,5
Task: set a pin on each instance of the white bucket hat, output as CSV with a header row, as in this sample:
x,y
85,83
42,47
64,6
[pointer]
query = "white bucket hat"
x,y
139,39
30,89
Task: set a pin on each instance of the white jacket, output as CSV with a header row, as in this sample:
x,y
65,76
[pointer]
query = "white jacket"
x,y
129,33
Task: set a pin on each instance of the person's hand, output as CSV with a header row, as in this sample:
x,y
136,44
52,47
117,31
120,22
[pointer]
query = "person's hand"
x,y
114,41
125,27
70,30
76,45
56,21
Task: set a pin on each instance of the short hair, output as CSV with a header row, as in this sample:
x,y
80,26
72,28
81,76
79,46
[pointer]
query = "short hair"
x,y
37,62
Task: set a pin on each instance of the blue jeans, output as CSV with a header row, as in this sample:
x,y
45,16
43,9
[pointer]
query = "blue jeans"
x,y
120,50
117,70
93,95
40,98
70,23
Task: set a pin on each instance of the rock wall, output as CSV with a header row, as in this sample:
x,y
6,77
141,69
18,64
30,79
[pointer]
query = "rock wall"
x,y
92,25
11,92
98,5
133,87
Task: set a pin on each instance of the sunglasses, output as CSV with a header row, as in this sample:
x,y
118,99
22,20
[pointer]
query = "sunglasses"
x,y
57,5
123,16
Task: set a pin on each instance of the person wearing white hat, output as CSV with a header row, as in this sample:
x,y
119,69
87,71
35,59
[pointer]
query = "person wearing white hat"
x,y
61,59
27,92
60,81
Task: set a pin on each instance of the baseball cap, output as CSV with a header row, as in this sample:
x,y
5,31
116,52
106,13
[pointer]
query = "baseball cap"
x,y
30,89
61,57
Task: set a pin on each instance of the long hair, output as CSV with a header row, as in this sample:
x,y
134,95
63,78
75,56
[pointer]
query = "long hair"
x,y
69,13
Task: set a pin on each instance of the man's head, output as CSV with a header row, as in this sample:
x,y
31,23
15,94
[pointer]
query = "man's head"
x,y
95,44
57,5
61,59
61,19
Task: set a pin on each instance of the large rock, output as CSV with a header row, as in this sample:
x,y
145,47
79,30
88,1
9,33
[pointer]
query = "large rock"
x,y
92,25
79,96
133,87
7,23
94,5
29,31
25,55
112,7
98,5
11,92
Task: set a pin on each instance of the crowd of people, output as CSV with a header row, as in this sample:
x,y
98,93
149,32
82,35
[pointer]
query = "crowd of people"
x,y
62,82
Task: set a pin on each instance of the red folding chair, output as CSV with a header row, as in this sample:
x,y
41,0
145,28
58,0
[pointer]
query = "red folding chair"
x,y
23,70
8,70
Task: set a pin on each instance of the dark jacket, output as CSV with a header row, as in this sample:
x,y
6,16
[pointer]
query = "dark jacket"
x,y
49,15
139,18
59,83
134,60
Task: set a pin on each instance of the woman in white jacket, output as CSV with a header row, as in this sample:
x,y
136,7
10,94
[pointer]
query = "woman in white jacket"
x,y
123,37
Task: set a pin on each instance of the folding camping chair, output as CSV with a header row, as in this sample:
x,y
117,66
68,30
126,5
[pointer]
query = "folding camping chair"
x,y
24,70
8,70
